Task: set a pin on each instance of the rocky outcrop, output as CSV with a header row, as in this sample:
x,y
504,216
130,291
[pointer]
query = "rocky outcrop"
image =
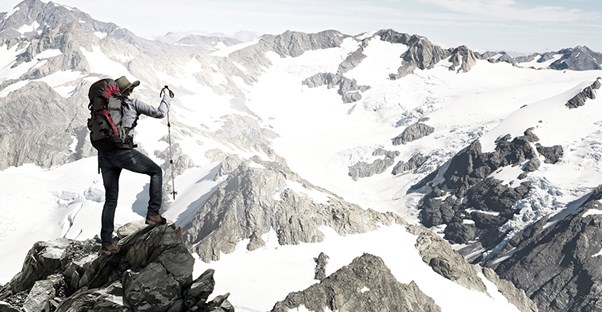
x,y
363,169
412,133
587,93
321,262
364,285
291,43
578,58
266,196
443,259
348,89
151,272
471,205
413,163
557,261
552,154
462,59
421,54
352,60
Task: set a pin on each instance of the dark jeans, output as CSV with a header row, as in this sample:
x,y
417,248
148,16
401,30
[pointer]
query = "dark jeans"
x,y
111,163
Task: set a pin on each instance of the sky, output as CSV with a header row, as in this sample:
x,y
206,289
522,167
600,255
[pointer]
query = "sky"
x,y
510,25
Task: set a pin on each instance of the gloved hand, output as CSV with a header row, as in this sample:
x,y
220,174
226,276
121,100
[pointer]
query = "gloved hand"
x,y
166,91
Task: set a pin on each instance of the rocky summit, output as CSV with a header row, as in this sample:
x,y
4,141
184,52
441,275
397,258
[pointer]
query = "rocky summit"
x,y
151,272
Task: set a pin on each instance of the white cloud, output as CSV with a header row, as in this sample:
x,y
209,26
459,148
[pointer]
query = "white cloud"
x,y
511,10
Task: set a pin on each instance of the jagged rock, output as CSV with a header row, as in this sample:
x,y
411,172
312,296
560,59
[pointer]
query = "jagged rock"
x,y
578,58
421,54
352,61
254,201
151,272
294,44
320,271
364,285
413,133
462,59
558,264
551,154
474,206
438,253
531,165
42,292
584,95
413,163
364,170
347,88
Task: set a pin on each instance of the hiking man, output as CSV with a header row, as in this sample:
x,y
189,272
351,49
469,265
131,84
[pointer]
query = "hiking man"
x,y
112,161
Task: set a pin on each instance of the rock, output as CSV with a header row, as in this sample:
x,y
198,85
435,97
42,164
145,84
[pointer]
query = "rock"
x,y
364,170
320,271
364,285
413,163
515,296
244,205
462,59
151,272
421,54
552,154
348,89
587,93
413,133
558,265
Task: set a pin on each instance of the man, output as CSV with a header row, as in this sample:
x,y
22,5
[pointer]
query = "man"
x,y
126,157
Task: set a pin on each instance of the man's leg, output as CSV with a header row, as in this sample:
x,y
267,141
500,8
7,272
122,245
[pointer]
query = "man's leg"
x,y
140,163
110,178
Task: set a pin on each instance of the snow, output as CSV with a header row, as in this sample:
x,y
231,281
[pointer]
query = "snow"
x,y
101,64
315,195
100,35
383,58
225,51
535,62
29,28
592,212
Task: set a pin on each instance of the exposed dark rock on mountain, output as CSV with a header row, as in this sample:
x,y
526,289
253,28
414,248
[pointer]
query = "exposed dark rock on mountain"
x,y
587,93
364,170
349,89
578,58
447,262
412,133
254,201
413,163
352,60
421,54
556,260
552,154
472,205
151,272
364,285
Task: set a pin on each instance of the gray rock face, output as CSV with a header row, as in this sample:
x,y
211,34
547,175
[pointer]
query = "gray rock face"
x,y
421,54
438,254
364,170
348,89
578,58
413,132
413,163
552,154
462,59
584,95
558,266
254,201
473,206
151,272
321,262
447,262
294,44
364,285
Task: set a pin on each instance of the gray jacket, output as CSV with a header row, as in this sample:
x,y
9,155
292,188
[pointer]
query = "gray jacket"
x,y
133,108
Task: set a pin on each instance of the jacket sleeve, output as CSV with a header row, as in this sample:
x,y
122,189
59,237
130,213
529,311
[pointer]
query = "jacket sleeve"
x,y
145,109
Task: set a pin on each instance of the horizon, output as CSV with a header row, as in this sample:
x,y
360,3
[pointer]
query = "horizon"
x,y
482,25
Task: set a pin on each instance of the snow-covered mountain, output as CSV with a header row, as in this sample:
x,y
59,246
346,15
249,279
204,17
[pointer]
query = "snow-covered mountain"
x,y
299,145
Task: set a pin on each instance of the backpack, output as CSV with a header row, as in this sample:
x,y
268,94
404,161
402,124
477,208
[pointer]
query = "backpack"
x,y
105,116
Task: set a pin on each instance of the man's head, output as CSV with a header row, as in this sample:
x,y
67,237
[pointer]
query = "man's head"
x,y
125,86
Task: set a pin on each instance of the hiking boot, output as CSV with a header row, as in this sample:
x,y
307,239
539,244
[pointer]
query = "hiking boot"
x,y
153,219
110,249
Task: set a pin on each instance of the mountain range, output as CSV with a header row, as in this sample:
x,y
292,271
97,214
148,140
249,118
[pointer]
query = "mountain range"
x,y
314,171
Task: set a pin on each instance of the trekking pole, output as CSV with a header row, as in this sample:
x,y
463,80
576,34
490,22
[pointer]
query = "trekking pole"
x,y
173,184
